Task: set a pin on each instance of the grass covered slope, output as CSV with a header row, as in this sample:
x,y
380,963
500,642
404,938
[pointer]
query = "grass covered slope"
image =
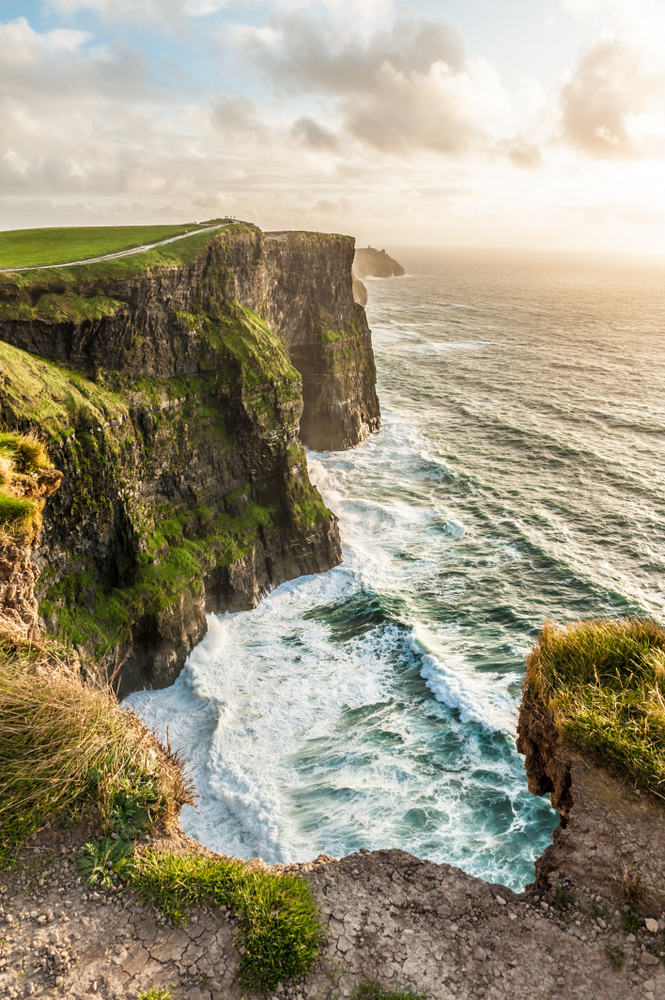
x,y
39,247
603,684
68,748
69,754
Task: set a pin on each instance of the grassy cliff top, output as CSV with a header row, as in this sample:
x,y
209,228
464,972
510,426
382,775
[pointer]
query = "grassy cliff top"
x,y
40,247
34,245
603,683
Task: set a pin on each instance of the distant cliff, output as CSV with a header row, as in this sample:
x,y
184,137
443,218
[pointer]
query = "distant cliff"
x,y
174,400
371,263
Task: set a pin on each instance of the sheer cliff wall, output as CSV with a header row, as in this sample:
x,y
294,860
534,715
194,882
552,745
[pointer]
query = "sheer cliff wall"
x,y
174,399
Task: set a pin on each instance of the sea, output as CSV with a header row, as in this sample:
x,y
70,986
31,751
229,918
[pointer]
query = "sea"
x,y
519,476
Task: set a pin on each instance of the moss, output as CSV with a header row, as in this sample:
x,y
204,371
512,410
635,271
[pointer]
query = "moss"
x,y
58,308
603,684
171,566
52,397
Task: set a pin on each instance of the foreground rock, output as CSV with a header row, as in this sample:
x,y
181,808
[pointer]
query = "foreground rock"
x,y
387,915
610,834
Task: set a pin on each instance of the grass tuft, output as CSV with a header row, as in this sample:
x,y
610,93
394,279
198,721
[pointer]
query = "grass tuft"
x,y
371,989
66,746
279,931
165,993
615,954
603,683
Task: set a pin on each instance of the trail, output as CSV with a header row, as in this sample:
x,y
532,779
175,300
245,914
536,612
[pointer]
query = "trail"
x,y
121,253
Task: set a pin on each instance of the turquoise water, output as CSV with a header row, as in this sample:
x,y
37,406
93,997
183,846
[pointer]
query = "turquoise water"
x,y
519,475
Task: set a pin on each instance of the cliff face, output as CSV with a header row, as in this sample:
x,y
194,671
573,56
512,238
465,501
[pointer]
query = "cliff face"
x,y
610,836
310,305
175,413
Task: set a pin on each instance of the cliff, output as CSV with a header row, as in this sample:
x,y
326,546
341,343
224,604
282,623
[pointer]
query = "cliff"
x,y
371,263
591,728
174,393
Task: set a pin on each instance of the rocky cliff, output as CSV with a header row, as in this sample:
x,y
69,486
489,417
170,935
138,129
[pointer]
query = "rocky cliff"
x,y
610,835
174,398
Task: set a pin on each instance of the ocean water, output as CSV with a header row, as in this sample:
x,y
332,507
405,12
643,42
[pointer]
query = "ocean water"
x,y
519,475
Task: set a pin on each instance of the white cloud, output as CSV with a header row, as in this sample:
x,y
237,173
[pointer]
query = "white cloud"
x,y
611,104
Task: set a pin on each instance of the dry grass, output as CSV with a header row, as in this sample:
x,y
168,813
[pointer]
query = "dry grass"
x,y
603,682
67,746
22,458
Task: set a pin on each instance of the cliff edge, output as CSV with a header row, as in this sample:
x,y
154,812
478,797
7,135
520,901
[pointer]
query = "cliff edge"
x,y
591,727
174,390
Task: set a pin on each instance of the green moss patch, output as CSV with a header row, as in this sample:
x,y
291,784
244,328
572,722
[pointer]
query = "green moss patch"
x,y
53,397
603,683
58,308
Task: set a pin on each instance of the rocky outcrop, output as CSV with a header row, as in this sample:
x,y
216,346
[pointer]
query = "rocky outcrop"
x,y
176,415
371,263
610,835
19,610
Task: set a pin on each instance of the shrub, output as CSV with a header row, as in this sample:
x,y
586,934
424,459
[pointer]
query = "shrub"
x,y
66,745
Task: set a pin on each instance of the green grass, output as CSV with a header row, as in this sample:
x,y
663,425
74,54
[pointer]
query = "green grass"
x,y
173,255
36,247
54,398
615,954
22,456
279,929
67,746
603,683
165,993
371,989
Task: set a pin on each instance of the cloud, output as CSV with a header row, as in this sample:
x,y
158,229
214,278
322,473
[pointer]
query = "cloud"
x,y
401,90
315,136
236,116
611,107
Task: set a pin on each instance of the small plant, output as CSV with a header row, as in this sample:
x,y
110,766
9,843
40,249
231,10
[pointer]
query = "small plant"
x,y
372,989
563,899
597,911
630,920
615,954
631,887
165,993
103,859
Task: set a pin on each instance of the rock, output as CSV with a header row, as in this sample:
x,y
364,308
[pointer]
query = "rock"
x,y
646,958
649,985
479,954
500,900
651,925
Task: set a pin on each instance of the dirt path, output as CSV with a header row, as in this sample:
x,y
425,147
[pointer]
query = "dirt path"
x,y
388,916
120,253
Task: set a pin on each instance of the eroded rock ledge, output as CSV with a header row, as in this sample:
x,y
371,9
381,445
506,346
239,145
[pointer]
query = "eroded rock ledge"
x,y
611,836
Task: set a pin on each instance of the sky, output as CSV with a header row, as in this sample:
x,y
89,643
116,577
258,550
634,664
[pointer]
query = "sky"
x,y
529,124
